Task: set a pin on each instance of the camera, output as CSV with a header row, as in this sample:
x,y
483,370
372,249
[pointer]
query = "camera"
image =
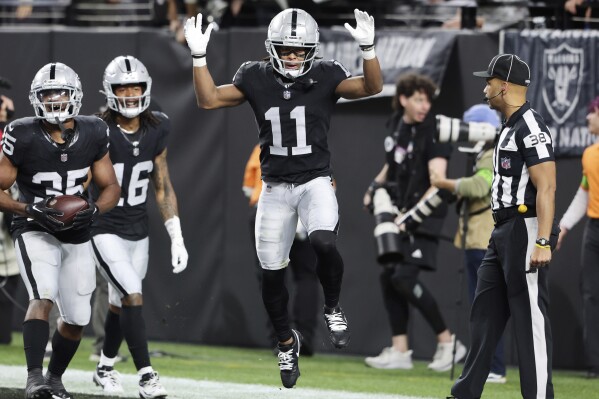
x,y
423,209
456,130
386,231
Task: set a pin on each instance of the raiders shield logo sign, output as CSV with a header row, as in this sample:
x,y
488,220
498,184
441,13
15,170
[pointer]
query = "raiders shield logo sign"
x,y
64,157
563,68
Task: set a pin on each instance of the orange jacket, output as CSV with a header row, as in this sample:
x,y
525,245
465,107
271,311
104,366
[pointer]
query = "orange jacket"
x,y
252,178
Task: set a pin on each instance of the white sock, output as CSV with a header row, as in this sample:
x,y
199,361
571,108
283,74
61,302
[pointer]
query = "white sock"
x,y
106,361
145,370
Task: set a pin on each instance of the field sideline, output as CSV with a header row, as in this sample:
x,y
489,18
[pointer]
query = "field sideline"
x,y
79,381
209,372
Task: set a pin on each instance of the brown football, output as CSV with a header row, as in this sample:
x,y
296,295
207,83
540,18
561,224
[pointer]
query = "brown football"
x,y
69,205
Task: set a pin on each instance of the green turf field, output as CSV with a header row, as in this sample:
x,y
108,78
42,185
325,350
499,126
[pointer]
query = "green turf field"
x,y
333,372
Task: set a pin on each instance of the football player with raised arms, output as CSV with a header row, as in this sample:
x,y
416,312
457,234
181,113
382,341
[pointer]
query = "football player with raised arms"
x,y
49,155
138,140
293,95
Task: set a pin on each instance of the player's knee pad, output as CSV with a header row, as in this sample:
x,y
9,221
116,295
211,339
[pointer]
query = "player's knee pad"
x,y
79,316
323,241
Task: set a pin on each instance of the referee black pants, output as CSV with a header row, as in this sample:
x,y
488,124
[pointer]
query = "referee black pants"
x,y
590,293
505,289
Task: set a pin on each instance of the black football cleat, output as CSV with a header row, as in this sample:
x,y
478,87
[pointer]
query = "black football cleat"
x,y
337,325
58,390
288,360
37,388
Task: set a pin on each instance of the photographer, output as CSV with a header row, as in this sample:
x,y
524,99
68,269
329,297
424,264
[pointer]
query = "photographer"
x,y
476,220
412,154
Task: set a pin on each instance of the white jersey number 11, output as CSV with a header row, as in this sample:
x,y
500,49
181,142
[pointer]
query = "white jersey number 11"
x,y
299,114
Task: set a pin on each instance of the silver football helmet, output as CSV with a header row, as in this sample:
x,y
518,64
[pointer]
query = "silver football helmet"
x,y
56,93
125,70
292,28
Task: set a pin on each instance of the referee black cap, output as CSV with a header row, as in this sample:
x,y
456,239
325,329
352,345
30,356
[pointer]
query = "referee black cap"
x,y
508,67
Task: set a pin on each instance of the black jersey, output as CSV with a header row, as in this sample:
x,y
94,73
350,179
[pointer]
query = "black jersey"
x,y
293,118
46,168
408,151
129,219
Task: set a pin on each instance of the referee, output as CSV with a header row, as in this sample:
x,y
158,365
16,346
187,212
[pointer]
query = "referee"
x,y
512,279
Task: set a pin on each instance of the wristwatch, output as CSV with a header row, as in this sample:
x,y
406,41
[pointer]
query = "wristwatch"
x,y
543,242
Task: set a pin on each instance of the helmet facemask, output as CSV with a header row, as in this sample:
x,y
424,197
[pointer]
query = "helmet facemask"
x,y
125,71
128,106
56,93
303,64
293,28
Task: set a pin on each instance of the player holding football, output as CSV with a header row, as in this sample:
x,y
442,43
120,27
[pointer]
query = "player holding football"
x,y
293,95
138,139
49,155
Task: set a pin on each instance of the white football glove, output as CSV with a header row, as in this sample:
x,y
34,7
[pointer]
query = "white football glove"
x,y
179,255
363,33
196,40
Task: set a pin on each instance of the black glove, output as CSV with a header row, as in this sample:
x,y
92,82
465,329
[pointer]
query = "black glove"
x,y
44,215
85,218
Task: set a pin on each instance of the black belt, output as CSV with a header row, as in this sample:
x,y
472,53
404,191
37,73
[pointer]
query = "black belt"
x,y
501,215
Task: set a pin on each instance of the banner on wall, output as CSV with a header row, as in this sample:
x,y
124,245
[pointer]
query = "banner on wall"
x,y
563,67
425,52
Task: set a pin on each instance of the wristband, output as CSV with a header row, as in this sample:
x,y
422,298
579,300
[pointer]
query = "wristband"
x,y
199,60
543,246
173,227
368,52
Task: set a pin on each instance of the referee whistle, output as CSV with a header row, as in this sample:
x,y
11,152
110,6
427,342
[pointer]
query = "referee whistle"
x,y
522,208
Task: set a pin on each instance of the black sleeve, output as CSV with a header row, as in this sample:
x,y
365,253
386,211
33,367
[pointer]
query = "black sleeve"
x,y
335,72
163,132
15,142
240,80
340,73
103,142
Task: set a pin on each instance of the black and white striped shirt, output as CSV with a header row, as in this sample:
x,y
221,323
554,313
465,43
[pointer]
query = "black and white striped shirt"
x,y
524,141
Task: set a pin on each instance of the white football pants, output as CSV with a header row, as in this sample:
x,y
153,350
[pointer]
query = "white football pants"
x,y
279,207
123,263
60,272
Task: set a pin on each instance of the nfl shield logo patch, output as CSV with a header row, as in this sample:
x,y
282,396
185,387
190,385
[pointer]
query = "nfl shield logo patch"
x,y
506,163
286,94
64,157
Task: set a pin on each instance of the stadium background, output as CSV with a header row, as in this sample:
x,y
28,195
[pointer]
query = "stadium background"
x,y
216,300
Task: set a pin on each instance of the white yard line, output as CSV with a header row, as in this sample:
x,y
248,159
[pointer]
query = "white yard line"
x,y
183,388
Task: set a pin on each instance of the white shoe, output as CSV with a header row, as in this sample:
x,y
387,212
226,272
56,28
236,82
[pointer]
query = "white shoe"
x,y
108,379
496,378
391,358
150,387
444,354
